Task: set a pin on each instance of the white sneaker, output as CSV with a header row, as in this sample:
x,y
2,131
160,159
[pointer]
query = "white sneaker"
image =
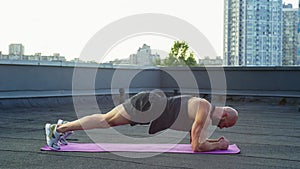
x,y
63,138
52,136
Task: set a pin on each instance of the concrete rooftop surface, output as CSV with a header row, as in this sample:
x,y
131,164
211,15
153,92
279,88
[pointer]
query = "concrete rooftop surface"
x,y
267,132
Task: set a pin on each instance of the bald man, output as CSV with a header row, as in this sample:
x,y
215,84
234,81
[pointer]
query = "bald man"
x,y
182,113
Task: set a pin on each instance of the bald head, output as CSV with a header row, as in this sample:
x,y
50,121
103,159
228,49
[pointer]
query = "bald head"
x,y
228,117
232,115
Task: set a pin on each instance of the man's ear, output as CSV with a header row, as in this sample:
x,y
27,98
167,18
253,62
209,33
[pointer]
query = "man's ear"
x,y
224,115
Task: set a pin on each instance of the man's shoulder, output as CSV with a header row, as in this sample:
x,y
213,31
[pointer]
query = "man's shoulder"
x,y
201,101
204,107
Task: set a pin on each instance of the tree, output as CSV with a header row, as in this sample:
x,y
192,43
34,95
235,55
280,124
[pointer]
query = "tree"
x,y
180,55
190,61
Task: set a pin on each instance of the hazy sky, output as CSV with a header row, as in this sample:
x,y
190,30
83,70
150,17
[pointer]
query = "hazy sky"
x,y
65,26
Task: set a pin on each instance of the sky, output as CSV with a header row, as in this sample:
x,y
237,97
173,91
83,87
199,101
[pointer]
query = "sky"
x,y
65,26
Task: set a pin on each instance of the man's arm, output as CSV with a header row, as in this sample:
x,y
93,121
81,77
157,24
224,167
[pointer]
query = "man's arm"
x,y
198,133
215,140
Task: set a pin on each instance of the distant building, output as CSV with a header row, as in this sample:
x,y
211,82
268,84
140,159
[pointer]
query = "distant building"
x,y
218,61
36,56
290,35
253,32
40,57
133,58
77,60
54,57
16,50
143,56
2,56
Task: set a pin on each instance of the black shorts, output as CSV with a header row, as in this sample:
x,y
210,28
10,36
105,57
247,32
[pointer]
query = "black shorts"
x,y
144,107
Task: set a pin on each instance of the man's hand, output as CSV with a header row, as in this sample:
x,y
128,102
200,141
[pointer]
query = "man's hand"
x,y
223,143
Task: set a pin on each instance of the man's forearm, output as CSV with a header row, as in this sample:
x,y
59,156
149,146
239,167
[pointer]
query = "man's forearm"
x,y
212,140
208,146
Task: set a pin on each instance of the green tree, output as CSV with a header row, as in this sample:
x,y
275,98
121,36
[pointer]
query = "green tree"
x,y
157,62
180,55
190,61
170,61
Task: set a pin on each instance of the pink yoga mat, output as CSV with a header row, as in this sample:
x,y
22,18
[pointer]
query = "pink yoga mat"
x,y
107,147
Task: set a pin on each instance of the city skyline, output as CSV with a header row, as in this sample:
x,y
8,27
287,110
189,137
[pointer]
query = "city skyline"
x,y
62,26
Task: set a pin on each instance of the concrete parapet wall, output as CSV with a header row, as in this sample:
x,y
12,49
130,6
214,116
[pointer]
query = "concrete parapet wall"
x,y
17,81
44,81
255,81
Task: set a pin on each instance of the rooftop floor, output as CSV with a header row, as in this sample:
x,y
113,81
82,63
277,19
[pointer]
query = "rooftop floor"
x,y
268,135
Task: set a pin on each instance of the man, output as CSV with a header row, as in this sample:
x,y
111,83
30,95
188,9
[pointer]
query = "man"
x,y
183,113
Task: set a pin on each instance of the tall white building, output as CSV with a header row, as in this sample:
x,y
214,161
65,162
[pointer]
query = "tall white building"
x,y
143,56
290,35
253,32
16,50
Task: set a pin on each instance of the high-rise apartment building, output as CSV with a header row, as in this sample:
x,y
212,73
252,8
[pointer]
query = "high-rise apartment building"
x,y
290,35
253,32
16,50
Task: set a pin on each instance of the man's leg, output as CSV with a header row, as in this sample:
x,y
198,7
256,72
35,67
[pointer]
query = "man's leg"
x,y
115,117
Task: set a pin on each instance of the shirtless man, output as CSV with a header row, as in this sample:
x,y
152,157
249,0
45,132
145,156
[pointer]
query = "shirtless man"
x,y
183,113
